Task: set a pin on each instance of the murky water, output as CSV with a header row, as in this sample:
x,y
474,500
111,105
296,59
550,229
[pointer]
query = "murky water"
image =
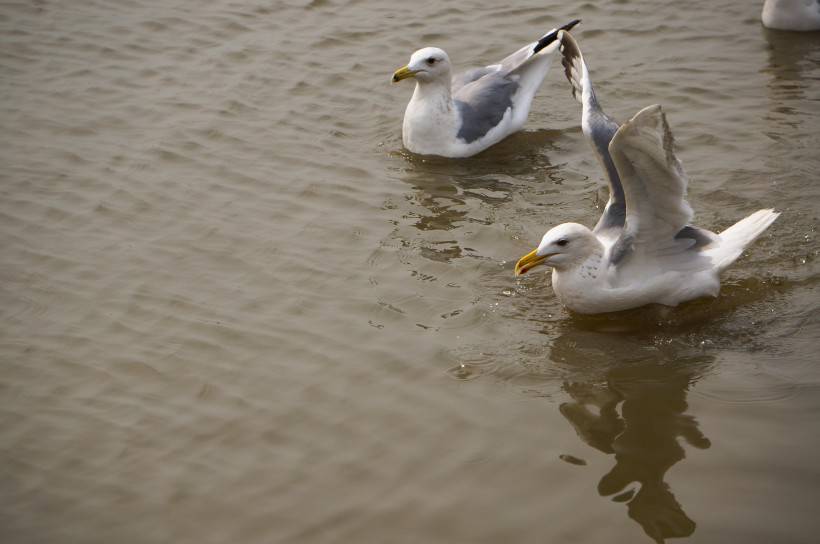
x,y
235,310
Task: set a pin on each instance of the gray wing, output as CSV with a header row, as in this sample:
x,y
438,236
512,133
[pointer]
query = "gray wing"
x,y
484,95
460,80
657,213
599,129
482,104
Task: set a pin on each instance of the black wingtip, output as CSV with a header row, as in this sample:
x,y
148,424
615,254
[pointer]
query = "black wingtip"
x,y
552,36
570,25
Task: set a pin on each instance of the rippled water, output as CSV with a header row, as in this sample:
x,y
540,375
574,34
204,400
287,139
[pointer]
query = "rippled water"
x,y
235,310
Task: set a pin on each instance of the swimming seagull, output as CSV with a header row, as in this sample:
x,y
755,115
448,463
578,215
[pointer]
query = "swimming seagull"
x,y
463,115
643,249
791,14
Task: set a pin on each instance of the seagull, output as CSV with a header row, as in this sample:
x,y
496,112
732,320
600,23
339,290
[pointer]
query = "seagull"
x,y
463,115
791,14
643,250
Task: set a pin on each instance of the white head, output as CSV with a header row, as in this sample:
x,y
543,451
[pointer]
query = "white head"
x,y
562,247
428,64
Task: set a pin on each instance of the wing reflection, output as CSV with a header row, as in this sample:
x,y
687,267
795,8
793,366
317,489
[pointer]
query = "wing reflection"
x,y
630,402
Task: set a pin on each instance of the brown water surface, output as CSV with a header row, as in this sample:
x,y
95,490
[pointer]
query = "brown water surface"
x,y
235,310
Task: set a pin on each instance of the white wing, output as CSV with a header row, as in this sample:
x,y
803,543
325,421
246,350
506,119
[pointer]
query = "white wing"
x,y
654,186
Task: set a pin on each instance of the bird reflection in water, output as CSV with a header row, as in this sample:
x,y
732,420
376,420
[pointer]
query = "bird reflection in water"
x,y
793,61
630,402
450,195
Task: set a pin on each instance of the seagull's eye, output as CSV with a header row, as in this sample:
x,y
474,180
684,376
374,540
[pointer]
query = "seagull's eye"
x,y
431,61
562,242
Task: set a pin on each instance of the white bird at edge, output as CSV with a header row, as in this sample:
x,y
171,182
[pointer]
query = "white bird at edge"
x,y
643,249
801,15
464,115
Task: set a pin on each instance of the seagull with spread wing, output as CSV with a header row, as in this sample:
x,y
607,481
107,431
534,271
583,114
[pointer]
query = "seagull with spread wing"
x,y
643,249
464,115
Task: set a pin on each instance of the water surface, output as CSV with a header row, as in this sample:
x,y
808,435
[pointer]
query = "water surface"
x,y
235,310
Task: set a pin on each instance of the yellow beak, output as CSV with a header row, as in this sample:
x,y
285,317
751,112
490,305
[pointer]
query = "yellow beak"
x,y
403,73
528,262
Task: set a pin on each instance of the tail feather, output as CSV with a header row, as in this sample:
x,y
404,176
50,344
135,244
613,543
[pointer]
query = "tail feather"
x,y
736,238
